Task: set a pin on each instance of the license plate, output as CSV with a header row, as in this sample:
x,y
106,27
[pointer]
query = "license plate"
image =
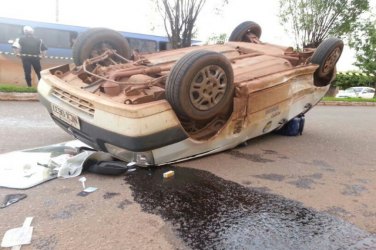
x,y
66,116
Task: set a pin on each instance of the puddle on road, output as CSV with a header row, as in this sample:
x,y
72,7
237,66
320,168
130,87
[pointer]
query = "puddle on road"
x,y
209,212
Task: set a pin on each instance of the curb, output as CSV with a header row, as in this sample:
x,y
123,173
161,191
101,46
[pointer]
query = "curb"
x,y
344,103
12,96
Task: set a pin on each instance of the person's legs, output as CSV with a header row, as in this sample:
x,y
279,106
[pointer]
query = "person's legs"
x,y
26,63
37,67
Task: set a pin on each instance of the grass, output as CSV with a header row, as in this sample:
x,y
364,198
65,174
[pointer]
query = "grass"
x,y
18,89
333,99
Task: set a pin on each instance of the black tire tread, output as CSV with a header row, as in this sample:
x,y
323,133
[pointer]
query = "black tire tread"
x,y
178,73
84,38
238,33
319,57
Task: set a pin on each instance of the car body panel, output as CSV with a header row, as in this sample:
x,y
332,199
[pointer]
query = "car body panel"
x,y
269,91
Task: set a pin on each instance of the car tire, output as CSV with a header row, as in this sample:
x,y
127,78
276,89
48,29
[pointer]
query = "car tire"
x,y
326,55
200,85
240,32
92,39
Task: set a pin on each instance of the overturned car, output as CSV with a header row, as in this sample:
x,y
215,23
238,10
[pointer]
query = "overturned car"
x,y
180,104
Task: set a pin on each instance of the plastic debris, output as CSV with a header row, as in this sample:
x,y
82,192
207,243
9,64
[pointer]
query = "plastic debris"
x,y
73,166
56,162
18,236
90,189
27,168
11,199
87,190
168,174
21,170
82,180
131,164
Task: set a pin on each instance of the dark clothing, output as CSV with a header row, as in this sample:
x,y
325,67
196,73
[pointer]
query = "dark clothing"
x,y
31,45
27,62
30,50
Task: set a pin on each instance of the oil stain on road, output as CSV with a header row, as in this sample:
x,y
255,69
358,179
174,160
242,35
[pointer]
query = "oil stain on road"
x,y
208,212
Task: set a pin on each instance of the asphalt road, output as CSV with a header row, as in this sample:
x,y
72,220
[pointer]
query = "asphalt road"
x,y
26,125
315,190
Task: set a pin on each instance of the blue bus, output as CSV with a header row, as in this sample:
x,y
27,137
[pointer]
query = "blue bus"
x,y
59,40
59,37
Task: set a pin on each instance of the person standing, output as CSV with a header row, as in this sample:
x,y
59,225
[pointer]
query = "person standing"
x,y
30,49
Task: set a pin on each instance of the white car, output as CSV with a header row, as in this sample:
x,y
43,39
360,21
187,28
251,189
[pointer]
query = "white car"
x,y
180,104
357,92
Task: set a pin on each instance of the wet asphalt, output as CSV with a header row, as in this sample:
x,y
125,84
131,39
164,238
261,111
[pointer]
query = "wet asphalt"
x,y
204,210
208,212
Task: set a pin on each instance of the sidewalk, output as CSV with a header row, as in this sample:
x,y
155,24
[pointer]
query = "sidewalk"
x,y
13,96
344,103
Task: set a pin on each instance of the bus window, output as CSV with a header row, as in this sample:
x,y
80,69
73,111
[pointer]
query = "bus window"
x,y
10,32
142,45
162,46
54,38
73,37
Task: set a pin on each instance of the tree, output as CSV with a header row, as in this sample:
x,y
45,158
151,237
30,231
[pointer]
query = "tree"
x,y
217,39
364,43
179,18
312,21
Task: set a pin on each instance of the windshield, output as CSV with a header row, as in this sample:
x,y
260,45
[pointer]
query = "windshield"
x,y
352,90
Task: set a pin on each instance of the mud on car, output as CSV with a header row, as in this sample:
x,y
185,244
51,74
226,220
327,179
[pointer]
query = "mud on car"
x,y
175,105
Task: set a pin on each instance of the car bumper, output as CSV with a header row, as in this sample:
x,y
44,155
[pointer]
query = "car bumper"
x,y
111,138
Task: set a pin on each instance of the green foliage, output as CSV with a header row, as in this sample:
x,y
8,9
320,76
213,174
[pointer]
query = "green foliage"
x,y
217,39
353,99
18,89
344,81
312,21
364,43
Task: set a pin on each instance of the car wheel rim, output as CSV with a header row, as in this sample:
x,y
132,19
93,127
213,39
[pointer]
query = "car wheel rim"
x,y
331,61
208,87
100,48
247,37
